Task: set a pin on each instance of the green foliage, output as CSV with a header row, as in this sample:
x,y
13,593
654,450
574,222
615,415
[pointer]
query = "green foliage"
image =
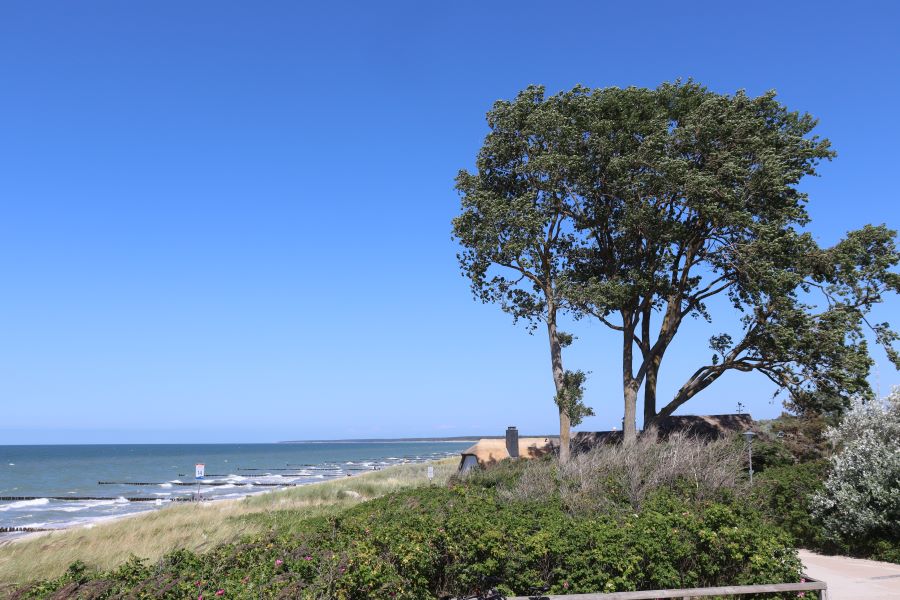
x,y
783,495
421,543
768,453
570,397
802,436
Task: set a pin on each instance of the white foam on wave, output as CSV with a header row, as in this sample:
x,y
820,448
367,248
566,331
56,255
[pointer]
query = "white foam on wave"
x,y
165,485
78,507
25,504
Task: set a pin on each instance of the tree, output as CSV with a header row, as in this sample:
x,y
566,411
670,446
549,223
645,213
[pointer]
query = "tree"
x,y
514,238
681,195
667,199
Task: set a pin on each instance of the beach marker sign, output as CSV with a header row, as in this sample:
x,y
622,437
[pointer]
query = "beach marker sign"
x,y
199,471
430,473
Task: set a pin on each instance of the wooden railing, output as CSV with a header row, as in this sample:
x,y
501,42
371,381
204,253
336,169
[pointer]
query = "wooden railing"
x,y
810,585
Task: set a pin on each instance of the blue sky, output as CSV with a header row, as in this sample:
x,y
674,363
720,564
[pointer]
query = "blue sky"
x,y
229,221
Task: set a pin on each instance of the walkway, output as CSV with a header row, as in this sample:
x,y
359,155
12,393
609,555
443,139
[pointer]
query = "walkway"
x,y
853,578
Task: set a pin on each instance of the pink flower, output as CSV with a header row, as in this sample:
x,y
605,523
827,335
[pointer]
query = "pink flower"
x,y
278,562
307,558
245,579
220,592
200,597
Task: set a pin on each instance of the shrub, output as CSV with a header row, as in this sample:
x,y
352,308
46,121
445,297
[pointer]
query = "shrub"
x,y
860,502
783,495
801,436
769,452
615,476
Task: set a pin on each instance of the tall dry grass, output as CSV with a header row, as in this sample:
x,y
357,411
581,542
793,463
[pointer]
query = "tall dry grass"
x,y
607,476
198,527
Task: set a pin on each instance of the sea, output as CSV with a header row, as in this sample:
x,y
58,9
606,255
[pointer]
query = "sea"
x,y
59,486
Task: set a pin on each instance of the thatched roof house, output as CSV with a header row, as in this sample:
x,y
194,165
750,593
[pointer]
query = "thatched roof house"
x,y
489,451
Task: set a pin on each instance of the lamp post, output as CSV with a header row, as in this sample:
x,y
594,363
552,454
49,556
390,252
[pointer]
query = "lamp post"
x,y
748,436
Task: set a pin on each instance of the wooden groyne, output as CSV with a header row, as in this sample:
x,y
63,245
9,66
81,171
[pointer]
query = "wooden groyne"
x,y
200,483
77,498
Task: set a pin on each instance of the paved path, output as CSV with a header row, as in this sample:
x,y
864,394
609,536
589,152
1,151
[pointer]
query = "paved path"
x,y
853,578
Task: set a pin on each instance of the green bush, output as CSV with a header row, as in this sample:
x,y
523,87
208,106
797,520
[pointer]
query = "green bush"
x,y
783,495
422,543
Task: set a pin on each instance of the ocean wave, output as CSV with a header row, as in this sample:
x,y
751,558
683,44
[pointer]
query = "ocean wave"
x,y
25,504
87,505
165,485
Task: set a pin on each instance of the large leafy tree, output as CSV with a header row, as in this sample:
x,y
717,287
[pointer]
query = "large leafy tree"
x,y
516,243
682,195
667,199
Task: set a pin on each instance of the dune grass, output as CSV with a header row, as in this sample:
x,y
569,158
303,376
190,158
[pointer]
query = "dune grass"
x,y
199,527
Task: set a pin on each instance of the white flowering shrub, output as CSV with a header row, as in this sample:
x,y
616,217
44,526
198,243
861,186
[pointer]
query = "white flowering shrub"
x,y
860,502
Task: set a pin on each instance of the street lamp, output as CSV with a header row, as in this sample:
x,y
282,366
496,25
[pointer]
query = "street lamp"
x,y
748,436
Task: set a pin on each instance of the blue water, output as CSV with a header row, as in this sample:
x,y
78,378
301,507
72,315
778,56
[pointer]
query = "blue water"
x,y
68,471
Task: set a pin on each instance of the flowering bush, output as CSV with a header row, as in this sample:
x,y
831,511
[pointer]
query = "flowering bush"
x,y
860,503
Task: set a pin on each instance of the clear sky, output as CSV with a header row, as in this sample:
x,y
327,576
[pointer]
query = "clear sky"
x,y
230,221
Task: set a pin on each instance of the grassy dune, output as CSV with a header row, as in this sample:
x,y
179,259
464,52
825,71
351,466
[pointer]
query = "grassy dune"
x,y
199,527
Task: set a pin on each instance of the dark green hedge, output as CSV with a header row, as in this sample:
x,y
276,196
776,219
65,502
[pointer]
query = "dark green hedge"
x,y
421,543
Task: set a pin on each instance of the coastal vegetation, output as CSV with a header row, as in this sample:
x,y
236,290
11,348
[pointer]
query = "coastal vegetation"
x,y
642,208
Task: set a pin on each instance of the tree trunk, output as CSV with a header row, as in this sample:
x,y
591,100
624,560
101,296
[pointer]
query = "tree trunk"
x,y
628,427
650,390
558,372
629,386
563,436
